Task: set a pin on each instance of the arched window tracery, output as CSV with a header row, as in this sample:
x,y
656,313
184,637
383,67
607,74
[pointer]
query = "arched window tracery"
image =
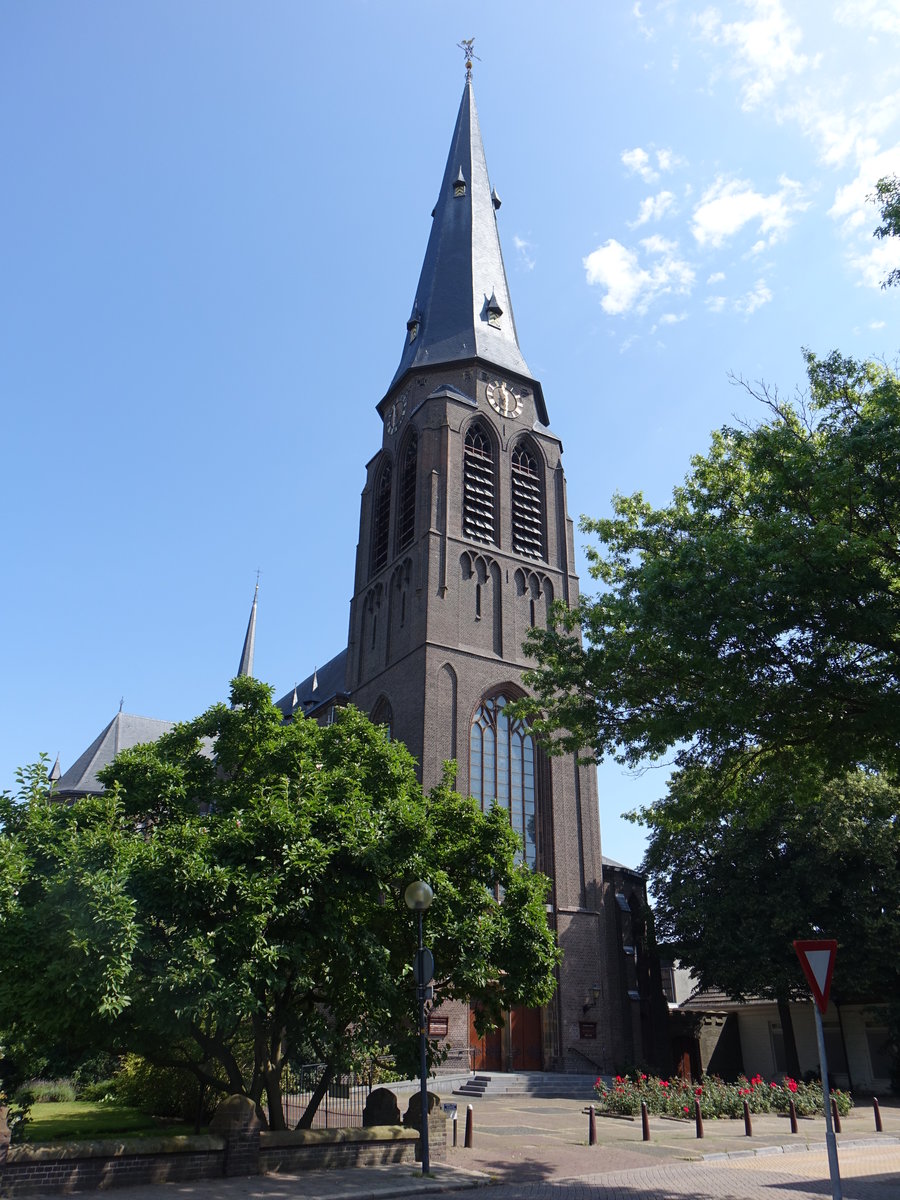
x,y
502,769
381,518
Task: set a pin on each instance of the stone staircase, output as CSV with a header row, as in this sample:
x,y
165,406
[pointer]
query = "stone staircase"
x,y
529,1083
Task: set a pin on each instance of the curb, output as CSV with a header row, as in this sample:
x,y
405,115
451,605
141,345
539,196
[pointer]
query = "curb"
x,y
796,1148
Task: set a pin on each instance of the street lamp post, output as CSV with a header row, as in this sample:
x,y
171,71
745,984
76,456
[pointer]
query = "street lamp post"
x,y
418,897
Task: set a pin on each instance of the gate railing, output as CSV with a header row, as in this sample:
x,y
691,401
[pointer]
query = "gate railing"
x,y
340,1107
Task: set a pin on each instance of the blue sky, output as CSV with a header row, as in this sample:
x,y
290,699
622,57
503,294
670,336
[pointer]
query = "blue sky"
x,y
211,227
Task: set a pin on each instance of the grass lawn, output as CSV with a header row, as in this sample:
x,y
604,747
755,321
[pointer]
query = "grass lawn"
x,y
82,1120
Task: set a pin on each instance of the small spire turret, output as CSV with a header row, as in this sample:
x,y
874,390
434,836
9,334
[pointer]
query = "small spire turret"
x,y
246,667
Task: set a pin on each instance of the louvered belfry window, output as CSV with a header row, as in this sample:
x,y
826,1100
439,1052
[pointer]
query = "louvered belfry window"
x,y
478,487
382,519
527,504
406,522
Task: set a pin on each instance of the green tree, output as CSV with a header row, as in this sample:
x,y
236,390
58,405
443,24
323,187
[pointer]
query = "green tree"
x,y
236,896
887,197
759,611
741,868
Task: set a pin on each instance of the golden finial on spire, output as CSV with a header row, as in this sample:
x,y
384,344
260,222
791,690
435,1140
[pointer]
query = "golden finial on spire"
x,y
466,46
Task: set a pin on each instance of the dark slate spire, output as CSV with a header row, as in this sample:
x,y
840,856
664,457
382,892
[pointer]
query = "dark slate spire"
x,y
246,667
462,308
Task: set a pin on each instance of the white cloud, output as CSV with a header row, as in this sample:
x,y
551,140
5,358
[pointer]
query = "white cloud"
x,y
653,208
876,324
877,263
882,16
672,318
754,299
715,303
728,205
668,160
766,47
639,162
851,204
524,250
716,277
632,285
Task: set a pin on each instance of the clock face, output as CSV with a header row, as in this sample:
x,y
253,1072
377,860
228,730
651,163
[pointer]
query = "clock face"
x,y
503,399
395,414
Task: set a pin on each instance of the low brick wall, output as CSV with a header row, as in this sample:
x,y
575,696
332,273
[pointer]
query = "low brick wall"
x,y
79,1166
84,1166
308,1149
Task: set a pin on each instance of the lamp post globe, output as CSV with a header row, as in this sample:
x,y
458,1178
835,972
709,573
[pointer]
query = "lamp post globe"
x,y
418,896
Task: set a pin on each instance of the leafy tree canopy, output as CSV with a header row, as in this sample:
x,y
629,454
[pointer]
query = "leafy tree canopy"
x,y
235,898
739,870
887,197
759,611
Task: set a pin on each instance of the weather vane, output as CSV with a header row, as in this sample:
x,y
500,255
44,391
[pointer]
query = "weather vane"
x,y
466,46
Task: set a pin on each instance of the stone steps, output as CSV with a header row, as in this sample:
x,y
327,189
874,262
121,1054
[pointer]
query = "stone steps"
x,y
529,1083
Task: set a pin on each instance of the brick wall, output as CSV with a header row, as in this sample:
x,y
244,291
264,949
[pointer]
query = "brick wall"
x,y
82,1166
90,1165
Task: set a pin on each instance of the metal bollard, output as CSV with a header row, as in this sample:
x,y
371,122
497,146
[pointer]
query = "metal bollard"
x,y
467,1142
645,1122
455,1126
698,1119
835,1115
592,1127
748,1124
879,1128
793,1111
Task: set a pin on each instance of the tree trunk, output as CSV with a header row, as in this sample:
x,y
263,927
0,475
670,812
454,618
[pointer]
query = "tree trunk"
x,y
790,1042
306,1120
272,1079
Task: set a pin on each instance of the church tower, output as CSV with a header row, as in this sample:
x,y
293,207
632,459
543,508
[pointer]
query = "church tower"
x,y
464,543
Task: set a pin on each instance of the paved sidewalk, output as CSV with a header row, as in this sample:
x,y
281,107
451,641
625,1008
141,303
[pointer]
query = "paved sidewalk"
x,y
537,1149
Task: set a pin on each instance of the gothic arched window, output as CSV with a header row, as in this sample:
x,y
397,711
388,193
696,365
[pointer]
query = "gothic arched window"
x,y
381,519
527,503
406,515
382,715
479,521
502,769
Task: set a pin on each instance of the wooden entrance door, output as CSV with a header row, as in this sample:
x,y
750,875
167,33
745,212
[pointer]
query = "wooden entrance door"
x,y
525,1041
487,1050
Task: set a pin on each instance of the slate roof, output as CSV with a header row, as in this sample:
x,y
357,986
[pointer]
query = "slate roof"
x,y
123,731
463,274
331,684
713,1000
617,866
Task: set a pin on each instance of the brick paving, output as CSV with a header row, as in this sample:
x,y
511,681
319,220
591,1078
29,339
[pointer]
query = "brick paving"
x,y
537,1149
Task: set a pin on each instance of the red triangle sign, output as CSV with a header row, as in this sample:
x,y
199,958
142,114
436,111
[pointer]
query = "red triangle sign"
x,y
817,961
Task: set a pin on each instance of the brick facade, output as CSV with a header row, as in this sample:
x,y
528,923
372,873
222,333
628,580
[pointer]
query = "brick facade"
x,y
440,626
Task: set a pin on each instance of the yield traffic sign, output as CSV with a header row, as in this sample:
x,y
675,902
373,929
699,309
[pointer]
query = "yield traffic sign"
x,y
817,960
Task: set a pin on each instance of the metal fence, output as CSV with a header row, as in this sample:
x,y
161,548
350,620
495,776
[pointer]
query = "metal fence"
x,y
341,1106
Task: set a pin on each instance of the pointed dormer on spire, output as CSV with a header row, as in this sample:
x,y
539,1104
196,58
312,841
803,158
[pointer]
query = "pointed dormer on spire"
x,y
246,667
462,308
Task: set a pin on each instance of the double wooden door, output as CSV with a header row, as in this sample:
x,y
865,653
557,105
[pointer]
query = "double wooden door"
x,y
523,1026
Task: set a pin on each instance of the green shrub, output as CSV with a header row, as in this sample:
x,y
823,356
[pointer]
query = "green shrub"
x,y
103,1091
46,1091
162,1091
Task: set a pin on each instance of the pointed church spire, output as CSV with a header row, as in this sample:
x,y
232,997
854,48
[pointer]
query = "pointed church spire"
x,y
462,309
55,773
246,667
